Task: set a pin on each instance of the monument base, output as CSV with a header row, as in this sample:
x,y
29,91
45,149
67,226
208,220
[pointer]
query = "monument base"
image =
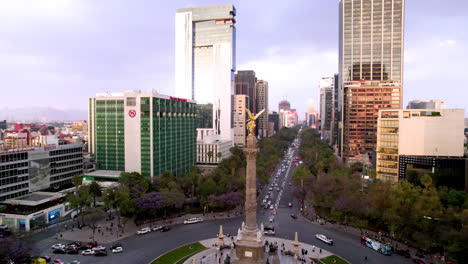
x,y
248,252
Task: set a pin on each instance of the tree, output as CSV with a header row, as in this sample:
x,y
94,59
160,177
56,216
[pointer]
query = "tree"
x,y
17,249
95,191
426,181
80,199
77,180
150,203
93,216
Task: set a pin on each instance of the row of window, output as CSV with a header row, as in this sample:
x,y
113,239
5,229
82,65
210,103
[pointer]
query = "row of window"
x,y
14,166
65,151
13,157
14,188
68,157
66,163
13,172
13,195
66,176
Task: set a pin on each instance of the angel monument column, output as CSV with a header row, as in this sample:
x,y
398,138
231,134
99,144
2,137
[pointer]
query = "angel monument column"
x,y
249,245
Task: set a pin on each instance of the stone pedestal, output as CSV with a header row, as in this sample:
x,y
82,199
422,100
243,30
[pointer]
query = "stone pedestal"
x,y
250,240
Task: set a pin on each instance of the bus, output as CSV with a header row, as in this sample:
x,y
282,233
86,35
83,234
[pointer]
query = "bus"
x,y
377,246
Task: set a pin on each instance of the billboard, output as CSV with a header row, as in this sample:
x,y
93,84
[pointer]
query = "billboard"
x,y
39,170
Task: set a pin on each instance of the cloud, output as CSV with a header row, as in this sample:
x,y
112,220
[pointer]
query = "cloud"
x,y
293,73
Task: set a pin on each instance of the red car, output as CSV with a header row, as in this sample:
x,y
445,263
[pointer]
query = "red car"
x,y
58,261
418,261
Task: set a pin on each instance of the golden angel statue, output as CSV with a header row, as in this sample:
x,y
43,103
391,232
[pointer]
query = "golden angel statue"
x,y
251,122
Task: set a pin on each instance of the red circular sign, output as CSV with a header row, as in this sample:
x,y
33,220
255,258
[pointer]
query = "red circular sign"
x,y
132,113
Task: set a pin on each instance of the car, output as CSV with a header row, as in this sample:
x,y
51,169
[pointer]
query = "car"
x,y
165,229
266,197
99,248
290,184
272,219
272,207
325,239
270,189
59,251
277,189
290,204
73,251
93,244
264,201
293,216
58,261
269,202
144,230
420,254
193,220
418,261
100,253
75,262
404,253
117,245
88,252
269,230
265,206
57,246
117,250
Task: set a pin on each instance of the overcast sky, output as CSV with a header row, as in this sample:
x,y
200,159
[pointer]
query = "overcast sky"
x,y
57,53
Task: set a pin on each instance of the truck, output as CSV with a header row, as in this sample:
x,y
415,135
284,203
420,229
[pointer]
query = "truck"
x,y
383,248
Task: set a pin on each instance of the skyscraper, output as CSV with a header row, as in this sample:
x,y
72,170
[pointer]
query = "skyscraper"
x,y
144,132
246,83
284,105
205,65
241,101
262,103
326,106
371,69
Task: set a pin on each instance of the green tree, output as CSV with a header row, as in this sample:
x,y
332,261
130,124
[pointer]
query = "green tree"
x,y
77,180
93,217
95,191
426,181
80,199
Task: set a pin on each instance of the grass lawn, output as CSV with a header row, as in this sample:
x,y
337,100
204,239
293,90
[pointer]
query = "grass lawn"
x,y
329,260
179,255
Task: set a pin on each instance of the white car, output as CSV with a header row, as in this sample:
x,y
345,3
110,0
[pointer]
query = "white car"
x,y
99,248
269,202
271,207
325,239
264,201
144,230
117,250
157,228
193,220
88,252
58,246
272,219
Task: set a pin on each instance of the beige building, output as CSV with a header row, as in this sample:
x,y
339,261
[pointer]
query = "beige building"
x,y
241,101
422,132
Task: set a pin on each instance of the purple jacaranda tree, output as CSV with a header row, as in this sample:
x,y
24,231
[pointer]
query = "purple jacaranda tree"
x,y
17,249
150,203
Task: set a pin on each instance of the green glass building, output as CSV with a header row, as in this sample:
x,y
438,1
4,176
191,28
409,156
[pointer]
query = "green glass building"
x,y
144,132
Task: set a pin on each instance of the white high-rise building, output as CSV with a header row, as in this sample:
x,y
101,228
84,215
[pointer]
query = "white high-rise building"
x,y
205,66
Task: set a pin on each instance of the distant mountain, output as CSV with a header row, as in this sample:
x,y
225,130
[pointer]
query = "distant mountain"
x,y
36,114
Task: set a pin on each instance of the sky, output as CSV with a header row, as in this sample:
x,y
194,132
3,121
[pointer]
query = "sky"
x,y
57,53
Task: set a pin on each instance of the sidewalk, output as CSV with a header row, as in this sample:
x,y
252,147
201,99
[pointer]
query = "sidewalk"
x,y
108,232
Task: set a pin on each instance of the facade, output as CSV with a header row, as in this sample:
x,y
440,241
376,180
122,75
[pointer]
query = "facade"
x,y
23,171
144,132
262,103
336,131
284,105
288,118
204,69
246,83
371,70
241,101
326,106
432,104
419,133
80,126
274,118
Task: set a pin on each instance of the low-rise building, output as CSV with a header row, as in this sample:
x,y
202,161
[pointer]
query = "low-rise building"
x,y
416,141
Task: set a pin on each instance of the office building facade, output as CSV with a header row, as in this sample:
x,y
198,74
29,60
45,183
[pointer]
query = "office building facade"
x,y
326,106
241,102
246,83
205,40
27,170
416,133
371,70
262,104
144,132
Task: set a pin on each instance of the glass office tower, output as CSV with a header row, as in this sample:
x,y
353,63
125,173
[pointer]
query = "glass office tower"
x,y
371,70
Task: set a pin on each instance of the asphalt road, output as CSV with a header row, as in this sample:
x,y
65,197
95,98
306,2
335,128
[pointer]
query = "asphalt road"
x,y
144,248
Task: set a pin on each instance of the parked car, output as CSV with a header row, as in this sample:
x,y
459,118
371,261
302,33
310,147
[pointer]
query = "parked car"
x,y
73,251
271,207
93,244
403,253
325,239
290,204
57,246
193,220
157,228
117,250
100,253
58,261
59,251
47,258
269,230
99,248
144,230
165,229
272,219
88,252
418,261
117,245
75,262
293,216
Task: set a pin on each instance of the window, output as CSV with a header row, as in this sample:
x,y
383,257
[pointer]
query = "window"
x,y
131,101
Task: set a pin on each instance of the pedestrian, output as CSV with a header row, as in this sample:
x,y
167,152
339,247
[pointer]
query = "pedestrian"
x,y
320,251
365,257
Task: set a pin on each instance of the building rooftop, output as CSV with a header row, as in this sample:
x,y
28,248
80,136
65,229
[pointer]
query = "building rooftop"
x,y
104,174
35,198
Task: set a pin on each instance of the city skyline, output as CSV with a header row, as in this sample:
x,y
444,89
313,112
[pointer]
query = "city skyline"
x,y
91,50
